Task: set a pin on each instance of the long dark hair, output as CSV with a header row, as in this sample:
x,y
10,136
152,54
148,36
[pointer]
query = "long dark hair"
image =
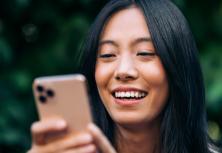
x,y
183,127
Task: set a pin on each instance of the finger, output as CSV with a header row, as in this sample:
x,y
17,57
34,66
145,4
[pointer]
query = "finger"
x,y
74,141
85,149
42,129
68,142
100,139
31,151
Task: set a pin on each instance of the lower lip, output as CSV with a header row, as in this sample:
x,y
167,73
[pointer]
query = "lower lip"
x,y
126,102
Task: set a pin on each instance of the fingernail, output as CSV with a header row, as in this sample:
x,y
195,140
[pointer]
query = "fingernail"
x,y
61,124
89,126
87,137
92,126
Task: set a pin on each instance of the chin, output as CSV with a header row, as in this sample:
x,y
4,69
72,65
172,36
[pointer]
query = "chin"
x,y
132,119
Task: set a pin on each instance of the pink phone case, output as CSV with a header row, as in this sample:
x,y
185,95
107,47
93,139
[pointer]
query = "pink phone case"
x,y
63,96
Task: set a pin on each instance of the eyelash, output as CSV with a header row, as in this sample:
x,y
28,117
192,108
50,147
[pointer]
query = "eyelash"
x,y
106,55
146,53
138,54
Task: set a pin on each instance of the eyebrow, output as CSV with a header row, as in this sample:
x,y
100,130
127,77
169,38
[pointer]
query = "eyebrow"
x,y
111,42
136,41
142,39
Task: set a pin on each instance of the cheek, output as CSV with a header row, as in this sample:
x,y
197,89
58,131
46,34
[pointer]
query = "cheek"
x,y
155,76
154,73
103,74
103,77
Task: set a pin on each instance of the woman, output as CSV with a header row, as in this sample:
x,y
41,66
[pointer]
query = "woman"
x,y
145,81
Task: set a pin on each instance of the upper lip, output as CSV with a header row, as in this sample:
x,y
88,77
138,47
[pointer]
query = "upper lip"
x,y
125,89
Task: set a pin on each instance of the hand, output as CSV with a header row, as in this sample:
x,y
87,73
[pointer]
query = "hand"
x,y
100,139
62,142
87,142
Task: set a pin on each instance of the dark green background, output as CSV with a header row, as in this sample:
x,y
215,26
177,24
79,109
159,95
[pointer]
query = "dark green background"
x,y
42,37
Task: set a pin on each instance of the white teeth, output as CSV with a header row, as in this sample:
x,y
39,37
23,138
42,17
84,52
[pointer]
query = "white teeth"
x,y
128,94
122,94
143,94
136,94
132,94
116,94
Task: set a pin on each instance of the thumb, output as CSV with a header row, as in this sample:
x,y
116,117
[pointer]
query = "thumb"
x,y
100,139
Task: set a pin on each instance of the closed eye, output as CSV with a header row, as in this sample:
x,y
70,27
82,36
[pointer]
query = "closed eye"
x,y
107,55
145,53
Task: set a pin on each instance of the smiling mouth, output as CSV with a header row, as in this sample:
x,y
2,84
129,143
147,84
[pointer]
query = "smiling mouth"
x,y
129,95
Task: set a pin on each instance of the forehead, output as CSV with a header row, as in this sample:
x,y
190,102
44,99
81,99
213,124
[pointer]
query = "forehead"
x,y
128,23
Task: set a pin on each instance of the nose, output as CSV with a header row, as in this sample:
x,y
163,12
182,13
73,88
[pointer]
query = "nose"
x,y
126,69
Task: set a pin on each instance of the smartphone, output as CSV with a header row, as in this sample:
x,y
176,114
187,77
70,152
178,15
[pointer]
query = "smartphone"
x,y
63,96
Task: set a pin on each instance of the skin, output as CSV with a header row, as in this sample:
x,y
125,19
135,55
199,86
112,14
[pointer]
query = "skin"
x,y
137,126
87,142
127,59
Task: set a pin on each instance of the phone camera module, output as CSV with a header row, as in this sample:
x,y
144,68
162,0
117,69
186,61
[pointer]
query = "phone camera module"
x,y
42,99
50,93
40,88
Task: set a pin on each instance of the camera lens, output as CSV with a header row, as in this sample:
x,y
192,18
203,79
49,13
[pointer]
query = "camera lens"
x,y
40,88
42,99
50,93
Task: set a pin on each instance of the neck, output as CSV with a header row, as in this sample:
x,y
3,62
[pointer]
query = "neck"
x,y
138,139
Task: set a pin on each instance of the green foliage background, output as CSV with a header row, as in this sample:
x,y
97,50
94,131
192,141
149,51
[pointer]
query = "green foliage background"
x,y
42,37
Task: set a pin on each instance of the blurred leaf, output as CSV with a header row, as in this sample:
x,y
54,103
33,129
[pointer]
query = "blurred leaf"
x,y
217,21
212,68
214,130
85,2
30,32
180,3
21,80
1,27
12,120
5,52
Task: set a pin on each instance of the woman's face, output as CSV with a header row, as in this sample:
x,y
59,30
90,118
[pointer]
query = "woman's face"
x,y
129,75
